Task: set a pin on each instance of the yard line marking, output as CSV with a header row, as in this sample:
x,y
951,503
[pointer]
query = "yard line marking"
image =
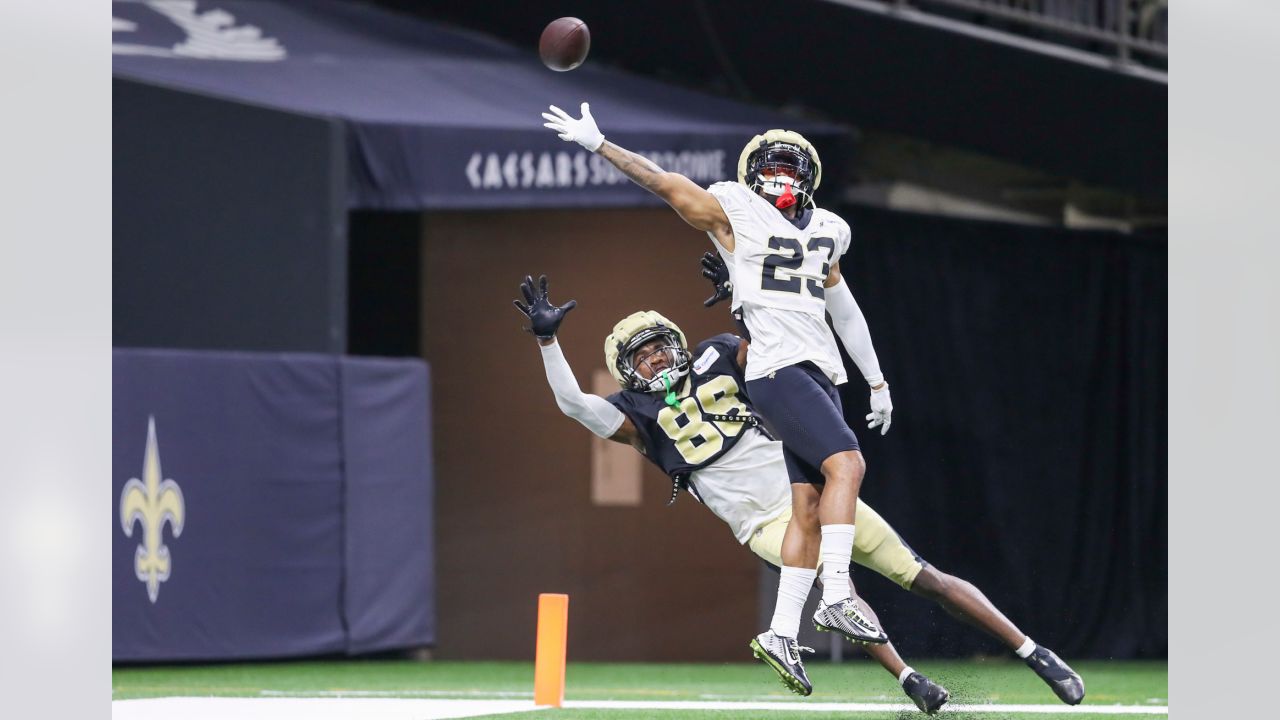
x,y
481,694
801,706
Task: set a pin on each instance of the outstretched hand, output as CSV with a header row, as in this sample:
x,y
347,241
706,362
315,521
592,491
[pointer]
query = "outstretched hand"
x,y
582,131
544,318
715,270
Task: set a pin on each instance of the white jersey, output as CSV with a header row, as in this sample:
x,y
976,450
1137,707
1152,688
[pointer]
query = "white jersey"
x,y
747,486
778,271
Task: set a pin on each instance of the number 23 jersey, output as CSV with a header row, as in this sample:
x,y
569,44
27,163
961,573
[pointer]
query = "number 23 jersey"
x,y
735,469
778,271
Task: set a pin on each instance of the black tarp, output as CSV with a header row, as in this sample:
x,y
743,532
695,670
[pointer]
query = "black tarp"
x,y
1028,452
436,117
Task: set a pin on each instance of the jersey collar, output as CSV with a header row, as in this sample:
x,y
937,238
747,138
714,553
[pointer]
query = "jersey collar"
x,y
802,218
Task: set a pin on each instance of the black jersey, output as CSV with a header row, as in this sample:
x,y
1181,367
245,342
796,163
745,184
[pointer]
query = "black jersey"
x,y
694,433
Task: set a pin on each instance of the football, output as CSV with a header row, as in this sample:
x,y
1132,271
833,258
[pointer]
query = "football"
x,y
564,44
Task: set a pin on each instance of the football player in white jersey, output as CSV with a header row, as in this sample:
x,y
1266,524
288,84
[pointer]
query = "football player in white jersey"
x,y
783,253
687,413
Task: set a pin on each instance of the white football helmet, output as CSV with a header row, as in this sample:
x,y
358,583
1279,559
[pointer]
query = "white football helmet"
x,y
630,334
781,164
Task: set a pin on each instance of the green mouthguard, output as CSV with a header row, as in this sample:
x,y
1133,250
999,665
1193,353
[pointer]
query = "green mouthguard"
x,y
671,394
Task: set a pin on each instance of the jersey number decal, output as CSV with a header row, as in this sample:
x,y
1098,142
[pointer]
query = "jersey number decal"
x,y
769,279
696,439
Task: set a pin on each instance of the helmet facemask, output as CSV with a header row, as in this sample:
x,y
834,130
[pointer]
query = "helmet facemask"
x,y
783,171
675,368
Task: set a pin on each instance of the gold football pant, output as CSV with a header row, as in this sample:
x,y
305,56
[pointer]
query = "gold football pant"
x,y
875,545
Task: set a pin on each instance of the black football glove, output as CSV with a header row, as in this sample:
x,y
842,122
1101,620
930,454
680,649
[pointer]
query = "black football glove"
x,y
544,318
714,269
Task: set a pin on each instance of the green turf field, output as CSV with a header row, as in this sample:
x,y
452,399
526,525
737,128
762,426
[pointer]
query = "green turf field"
x,y
971,682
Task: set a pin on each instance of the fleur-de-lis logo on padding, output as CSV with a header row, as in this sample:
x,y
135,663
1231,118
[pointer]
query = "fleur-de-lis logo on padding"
x,y
152,503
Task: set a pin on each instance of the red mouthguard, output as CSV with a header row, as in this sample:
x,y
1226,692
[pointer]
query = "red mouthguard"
x,y
786,199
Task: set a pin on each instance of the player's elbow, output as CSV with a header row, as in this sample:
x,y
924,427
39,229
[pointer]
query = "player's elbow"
x,y
695,205
569,406
697,215
667,186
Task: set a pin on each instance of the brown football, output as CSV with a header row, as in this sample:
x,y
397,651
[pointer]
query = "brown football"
x,y
564,44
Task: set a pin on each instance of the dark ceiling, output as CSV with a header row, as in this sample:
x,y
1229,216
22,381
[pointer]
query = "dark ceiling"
x,y
869,70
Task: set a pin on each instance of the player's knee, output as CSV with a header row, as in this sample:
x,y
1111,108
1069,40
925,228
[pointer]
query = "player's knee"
x,y
932,584
805,509
844,465
804,505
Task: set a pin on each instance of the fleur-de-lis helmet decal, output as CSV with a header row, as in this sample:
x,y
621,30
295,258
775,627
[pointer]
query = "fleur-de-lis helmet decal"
x,y
152,502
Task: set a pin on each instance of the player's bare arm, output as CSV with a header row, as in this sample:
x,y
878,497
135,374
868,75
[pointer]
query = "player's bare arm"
x,y
694,204
591,411
833,277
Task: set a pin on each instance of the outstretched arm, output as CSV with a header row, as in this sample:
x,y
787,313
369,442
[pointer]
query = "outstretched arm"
x,y
694,204
591,411
851,327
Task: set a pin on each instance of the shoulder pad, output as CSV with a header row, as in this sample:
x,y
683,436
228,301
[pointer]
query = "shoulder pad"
x,y
728,188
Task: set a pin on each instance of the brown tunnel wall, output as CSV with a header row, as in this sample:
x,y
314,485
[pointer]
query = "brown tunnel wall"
x,y
514,511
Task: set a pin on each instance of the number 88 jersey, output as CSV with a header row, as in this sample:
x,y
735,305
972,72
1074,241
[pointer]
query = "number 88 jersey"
x,y
688,436
778,270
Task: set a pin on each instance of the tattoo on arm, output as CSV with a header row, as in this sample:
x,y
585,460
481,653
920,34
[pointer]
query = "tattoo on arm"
x,y
696,206
640,169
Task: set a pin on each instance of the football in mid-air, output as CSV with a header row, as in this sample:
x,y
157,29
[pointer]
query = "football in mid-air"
x,y
564,44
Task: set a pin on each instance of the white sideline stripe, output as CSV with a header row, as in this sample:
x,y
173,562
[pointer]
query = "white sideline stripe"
x,y
448,694
861,707
339,708
221,708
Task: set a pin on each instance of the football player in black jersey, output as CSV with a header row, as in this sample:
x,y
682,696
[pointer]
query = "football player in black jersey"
x,y
686,412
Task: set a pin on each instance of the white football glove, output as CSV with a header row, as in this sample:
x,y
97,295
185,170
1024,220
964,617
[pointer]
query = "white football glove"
x,y
584,131
881,409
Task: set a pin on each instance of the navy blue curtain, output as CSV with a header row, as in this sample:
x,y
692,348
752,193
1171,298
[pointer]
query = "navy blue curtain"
x,y
269,505
389,598
1028,452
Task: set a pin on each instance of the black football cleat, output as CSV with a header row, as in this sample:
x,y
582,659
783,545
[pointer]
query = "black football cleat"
x,y
783,655
1064,681
846,618
928,695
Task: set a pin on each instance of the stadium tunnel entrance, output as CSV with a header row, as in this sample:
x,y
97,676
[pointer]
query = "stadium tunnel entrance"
x,y
516,514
